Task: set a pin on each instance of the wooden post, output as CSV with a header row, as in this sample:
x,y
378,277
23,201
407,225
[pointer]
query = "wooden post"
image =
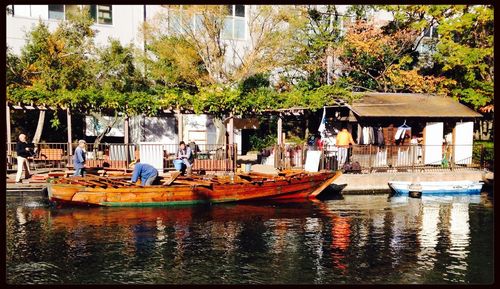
x,y
231,129
126,139
280,130
370,160
180,125
9,136
68,116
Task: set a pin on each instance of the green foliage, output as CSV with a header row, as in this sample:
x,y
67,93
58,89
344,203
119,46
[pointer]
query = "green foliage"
x,y
464,50
64,68
484,148
259,143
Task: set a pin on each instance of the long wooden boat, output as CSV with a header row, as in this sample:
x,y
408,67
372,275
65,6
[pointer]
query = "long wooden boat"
x,y
436,188
109,191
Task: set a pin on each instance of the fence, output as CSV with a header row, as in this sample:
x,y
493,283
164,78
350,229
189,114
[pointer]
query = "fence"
x,y
373,158
53,156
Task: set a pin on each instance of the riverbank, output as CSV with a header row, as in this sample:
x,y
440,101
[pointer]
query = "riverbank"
x,y
376,183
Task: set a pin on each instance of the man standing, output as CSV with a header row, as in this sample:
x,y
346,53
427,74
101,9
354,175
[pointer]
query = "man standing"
x,y
23,151
344,139
146,172
79,158
185,155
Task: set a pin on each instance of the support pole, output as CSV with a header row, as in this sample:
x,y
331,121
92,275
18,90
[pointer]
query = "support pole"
x,y
231,129
126,139
126,130
68,116
9,136
280,130
180,125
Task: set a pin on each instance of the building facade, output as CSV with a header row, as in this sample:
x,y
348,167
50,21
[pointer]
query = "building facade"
x,y
124,22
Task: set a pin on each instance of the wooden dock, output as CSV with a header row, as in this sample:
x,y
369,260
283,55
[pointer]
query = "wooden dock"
x,y
25,187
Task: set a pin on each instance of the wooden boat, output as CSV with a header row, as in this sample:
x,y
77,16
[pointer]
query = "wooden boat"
x,y
115,191
436,188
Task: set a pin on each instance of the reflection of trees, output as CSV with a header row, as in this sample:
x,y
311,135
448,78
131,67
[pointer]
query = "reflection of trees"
x,y
419,240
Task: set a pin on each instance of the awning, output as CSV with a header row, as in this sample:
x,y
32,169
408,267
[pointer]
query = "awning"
x,y
410,105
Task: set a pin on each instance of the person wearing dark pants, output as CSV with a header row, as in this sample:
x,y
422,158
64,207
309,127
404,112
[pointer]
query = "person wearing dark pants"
x,y
146,172
79,158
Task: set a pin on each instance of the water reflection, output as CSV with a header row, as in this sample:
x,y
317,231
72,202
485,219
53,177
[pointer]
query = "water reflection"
x,y
358,239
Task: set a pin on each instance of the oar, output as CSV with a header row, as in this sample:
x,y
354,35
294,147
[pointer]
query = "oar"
x,y
172,178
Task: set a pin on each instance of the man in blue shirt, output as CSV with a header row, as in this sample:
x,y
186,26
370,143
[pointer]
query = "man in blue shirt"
x,y
146,172
79,159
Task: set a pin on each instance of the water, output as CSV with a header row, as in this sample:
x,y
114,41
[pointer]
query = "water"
x,y
355,240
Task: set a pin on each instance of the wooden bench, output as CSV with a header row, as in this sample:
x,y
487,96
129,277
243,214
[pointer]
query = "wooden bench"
x,y
50,157
213,165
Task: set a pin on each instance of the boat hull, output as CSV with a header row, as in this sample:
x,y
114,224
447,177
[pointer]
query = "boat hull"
x,y
175,195
438,188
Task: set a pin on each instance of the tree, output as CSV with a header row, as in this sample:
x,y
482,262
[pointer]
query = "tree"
x,y
464,49
314,43
218,59
386,61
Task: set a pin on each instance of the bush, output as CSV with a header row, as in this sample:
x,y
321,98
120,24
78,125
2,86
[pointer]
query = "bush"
x,y
259,143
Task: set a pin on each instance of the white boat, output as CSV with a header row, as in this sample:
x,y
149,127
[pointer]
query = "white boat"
x,y
436,188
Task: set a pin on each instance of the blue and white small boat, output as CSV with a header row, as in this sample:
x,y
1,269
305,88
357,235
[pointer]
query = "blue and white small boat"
x,y
436,188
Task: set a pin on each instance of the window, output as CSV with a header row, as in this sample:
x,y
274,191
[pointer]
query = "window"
x,y
240,10
234,24
101,14
56,12
104,15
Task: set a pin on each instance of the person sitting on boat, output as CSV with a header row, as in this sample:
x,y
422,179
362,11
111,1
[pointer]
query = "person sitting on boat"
x,y
146,172
186,155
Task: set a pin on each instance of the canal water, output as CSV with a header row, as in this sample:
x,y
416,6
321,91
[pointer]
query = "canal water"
x,y
354,240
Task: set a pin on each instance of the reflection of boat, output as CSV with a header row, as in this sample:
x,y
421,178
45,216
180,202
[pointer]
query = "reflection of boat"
x,y
102,191
224,213
437,188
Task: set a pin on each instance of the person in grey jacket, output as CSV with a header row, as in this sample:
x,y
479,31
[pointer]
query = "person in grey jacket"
x,y
186,155
79,158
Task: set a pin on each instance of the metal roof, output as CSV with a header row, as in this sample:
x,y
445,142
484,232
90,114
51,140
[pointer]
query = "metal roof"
x,y
410,105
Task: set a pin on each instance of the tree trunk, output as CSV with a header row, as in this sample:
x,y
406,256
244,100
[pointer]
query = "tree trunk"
x,y
221,131
108,128
39,127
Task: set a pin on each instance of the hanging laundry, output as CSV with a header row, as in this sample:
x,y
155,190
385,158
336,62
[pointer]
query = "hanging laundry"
x,y
401,133
359,134
380,137
368,135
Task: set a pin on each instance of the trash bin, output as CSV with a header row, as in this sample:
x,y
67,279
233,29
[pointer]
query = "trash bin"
x,y
248,168
178,165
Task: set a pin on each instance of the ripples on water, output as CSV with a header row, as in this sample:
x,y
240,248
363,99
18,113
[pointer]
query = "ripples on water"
x,y
358,239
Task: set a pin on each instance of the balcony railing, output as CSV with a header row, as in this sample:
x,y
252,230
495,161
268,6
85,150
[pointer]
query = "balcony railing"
x,y
55,156
372,158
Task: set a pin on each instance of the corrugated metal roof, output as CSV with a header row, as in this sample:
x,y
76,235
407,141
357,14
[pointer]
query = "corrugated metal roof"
x,y
410,105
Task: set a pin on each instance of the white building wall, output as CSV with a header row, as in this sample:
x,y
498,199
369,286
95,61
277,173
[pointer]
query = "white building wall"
x,y
127,20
